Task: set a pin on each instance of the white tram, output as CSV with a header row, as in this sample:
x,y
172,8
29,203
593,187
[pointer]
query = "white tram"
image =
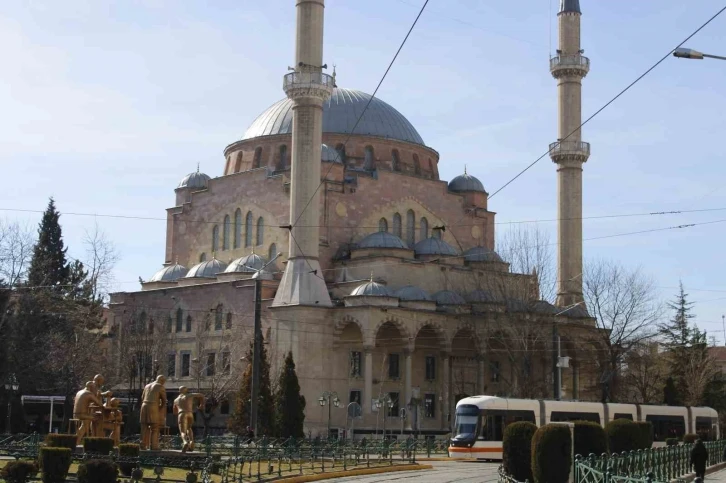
x,y
480,420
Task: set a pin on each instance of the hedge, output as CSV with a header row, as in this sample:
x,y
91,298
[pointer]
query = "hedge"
x,y
61,441
590,438
517,450
128,451
97,471
623,435
19,471
551,454
671,441
689,438
102,446
646,434
54,463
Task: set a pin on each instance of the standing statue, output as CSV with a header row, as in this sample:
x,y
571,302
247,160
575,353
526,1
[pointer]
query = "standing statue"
x,y
184,407
99,421
82,409
153,413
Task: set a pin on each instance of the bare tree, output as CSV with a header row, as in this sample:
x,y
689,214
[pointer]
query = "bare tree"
x,y
528,250
16,249
627,309
644,374
101,258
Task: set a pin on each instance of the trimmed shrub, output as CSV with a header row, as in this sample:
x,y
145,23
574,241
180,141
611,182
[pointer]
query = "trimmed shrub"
x,y
98,445
623,435
671,441
590,438
19,471
97,471
128,451
517,450
61,441
551,454
54,463
646,434
689,438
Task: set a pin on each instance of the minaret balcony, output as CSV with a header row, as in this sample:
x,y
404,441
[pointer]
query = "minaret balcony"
x,y
308,84
567,65
569,150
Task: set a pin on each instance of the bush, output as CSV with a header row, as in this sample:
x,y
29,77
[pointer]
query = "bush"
x,y
551,454
19,471
128,451
623,435
55,463
517,450
689,438
61,441
671,441
102,446
97,471
646,434
590,438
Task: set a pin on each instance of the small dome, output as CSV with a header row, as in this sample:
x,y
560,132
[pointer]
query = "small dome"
x,y
330,155
195,180
517,305
249,264
412,293
464,183
447,297
481,254
170,273
479,296
372,289
382,239
208,269
545,307
434,246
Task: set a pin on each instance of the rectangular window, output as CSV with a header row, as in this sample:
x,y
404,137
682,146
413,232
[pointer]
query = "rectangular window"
x,y
179,320
623,416
430,368
228,325
189,323
186,360
394,369
211,359
563,417
355,364
355,396
667,426
171,365
218,318
169,324
393,410
224,407
429,405
494,368
225,363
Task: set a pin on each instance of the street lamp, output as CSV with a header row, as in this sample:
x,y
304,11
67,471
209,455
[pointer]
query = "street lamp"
x,y
384,403
11,386
684,53
330,399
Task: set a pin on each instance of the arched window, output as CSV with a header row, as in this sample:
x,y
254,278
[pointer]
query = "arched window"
x,y
218,317
238,228
248,229
282,162
424,224
151,326
202,257
272,252
410,228
215,238
228,325
397,225
396,160
238,164
260,230
340,148
416,165
189,323
179,320
257,159
370,162
225,232
382,225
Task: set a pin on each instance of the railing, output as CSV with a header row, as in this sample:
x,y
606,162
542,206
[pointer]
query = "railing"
x,y
307,79
564,61
570,147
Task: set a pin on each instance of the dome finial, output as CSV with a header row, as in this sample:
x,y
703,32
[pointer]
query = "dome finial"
x,y
176,260
197,166
371,275
335,84
253,249
464,170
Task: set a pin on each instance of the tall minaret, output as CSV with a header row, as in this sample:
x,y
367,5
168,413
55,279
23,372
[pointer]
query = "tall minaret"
x,y
569,67
308,88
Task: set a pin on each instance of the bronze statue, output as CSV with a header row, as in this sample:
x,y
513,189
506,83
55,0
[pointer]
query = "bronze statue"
x,y
153,413
112,420
99,423
82,409
184,407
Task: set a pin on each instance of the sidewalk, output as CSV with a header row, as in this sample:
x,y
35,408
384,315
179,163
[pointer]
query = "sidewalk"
x,y
717,477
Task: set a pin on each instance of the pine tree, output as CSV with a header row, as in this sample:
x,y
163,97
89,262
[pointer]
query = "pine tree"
x,y
670,393
48,267
240,420
677,332
289,403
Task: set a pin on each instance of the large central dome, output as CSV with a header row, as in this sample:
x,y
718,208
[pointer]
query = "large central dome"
x,y
340,113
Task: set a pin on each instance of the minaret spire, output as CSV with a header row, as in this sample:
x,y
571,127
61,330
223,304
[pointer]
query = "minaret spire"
x,y
569,67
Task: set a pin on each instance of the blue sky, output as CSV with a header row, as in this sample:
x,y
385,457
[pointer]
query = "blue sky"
x,y
107,105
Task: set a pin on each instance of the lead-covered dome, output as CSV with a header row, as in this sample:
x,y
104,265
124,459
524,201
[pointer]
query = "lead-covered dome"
x,y
195,180
170,273
412,293
208,269
447,297
372,289
340,114
434,246
479,296
481,254
382,239
464,183
252,263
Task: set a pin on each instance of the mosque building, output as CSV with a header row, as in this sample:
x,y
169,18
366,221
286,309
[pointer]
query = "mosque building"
x,y
385,283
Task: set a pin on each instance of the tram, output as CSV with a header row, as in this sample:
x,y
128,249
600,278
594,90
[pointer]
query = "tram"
x,y
480,420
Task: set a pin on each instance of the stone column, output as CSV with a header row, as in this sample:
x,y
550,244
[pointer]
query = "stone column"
x,y
368,376
408,393
446,402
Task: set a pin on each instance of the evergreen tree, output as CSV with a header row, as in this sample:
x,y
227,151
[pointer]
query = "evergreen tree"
x,y
289,403
678,339
240,420
670,393
48,267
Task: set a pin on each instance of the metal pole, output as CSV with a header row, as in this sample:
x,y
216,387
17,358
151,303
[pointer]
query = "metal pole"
x,y
256,356
555,372
10,406
50,419
328,416
714,57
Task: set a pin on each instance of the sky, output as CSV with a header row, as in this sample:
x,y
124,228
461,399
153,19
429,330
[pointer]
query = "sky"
x,y
106,105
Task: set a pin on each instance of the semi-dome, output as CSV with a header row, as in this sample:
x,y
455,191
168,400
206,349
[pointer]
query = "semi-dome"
x,y
382,239
479,296
340,114
329,154
465,182
447,297
208,269
249,264
412,293
434,246
372,288
481,254
170,273
195,180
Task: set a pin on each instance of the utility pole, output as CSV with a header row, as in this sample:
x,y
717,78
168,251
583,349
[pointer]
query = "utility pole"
x,y
556,370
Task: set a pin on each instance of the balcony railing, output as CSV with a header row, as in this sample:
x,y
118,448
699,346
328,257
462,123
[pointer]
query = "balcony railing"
x,y
570,147
295,80
562,62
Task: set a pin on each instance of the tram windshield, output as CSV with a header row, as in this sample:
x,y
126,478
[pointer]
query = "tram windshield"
x,y
467,420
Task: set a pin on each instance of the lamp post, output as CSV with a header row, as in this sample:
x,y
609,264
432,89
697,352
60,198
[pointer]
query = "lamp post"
x,y
11,386
329,399
402,416
413,406
684,53
384,403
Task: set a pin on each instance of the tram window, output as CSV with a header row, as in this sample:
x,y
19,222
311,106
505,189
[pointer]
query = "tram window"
x,y
494,421
704,428
667,426
563,416
623,416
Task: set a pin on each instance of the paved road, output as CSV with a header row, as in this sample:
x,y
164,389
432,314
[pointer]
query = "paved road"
x,y
443,472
